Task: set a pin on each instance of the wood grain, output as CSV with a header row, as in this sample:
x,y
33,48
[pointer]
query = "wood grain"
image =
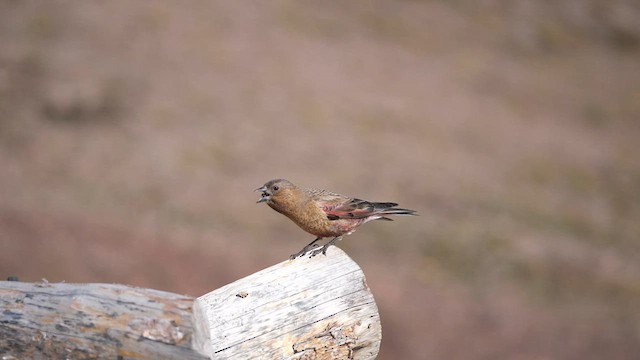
x,y
90,321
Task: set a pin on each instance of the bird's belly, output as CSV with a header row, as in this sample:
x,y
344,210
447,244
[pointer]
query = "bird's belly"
x,y
329,228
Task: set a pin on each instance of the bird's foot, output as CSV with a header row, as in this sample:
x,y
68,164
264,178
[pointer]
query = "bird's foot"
x,y
303,251
323,249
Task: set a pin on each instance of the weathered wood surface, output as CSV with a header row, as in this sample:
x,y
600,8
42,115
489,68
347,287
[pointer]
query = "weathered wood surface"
x,y
76,321
317,308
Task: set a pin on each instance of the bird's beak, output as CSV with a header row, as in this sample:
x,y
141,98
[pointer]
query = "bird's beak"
x,y
265,195
264,198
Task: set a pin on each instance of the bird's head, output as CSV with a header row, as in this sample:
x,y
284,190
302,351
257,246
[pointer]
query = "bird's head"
x,y
275,190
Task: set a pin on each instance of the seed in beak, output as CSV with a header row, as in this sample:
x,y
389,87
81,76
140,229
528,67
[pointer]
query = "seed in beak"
x,y
265,197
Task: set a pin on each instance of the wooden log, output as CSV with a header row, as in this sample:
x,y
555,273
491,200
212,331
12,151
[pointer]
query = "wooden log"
x,y
308,308
318,308
91,321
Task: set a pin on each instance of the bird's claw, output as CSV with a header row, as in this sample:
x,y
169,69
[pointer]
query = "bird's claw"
x,y
302,252
322,251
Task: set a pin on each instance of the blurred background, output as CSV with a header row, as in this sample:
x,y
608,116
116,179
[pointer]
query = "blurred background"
x,y
132,135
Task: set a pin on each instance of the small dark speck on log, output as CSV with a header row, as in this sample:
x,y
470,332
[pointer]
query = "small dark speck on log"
x,y
12,315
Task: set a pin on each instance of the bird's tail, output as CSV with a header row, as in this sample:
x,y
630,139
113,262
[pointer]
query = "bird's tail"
x,y
391,209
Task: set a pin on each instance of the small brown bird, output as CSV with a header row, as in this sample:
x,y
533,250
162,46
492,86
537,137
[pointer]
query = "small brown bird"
x,y
323,213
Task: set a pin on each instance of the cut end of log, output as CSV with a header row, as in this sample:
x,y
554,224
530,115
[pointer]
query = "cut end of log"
x,y
308,308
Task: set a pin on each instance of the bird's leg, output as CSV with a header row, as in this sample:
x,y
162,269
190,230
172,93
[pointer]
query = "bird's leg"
x,y
324,248
305,249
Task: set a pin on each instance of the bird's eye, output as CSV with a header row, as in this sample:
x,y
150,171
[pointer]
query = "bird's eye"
x,y
276,188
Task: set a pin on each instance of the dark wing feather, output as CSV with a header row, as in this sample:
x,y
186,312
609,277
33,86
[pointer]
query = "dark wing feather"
x,y
361,209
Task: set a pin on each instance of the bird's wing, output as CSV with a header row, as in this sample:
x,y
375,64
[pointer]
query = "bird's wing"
x,y
354,209
337,206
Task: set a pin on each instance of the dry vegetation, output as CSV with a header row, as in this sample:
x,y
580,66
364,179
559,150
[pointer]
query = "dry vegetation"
x,y
133,133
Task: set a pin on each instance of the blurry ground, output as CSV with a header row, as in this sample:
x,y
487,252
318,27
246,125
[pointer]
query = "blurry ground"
x,y
133,133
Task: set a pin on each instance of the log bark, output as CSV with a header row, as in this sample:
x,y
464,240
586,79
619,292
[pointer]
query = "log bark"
x,y
318,308
91,321
308,308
